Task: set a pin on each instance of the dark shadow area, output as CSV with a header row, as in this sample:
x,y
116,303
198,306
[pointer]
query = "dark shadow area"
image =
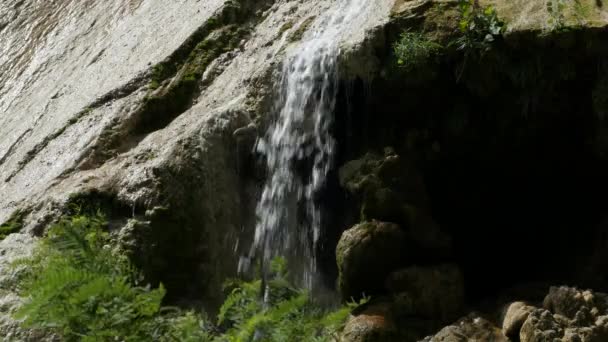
x,y
512,153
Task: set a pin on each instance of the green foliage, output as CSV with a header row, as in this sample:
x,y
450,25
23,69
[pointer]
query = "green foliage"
x,y
413,49
78,287
479,27
13,225
278,312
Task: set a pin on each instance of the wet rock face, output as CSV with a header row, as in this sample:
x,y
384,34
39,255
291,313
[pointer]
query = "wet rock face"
x,y
156,106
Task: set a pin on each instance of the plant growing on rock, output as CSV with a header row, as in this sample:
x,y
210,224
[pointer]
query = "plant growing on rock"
x,y
479,27
413,49
12,225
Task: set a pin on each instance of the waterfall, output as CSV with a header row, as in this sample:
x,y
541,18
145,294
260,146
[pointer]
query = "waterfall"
x,y
298,145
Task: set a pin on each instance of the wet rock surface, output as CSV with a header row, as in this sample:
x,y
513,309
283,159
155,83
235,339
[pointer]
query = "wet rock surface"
x,y
150,104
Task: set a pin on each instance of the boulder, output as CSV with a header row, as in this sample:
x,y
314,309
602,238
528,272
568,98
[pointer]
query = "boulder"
x,y
569,302
470,328
431,292
373,324
541,326
514,318
366,254
390,188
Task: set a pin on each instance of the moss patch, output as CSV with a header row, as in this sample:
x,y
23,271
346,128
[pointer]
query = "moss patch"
x,y
299,32
13,225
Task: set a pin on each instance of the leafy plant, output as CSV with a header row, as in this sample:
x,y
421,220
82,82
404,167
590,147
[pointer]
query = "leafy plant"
x,y
413,49
479,27
81,289
277,312
78,287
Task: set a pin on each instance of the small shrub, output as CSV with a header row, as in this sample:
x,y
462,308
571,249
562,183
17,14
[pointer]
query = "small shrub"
x,y
479,27
413,49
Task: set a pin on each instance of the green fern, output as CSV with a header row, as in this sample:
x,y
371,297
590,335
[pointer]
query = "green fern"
x,y
278,313
78,288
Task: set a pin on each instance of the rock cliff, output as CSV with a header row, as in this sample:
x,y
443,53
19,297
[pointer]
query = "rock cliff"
x,y
471,173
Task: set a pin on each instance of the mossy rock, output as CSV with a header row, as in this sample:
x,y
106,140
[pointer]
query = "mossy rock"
x,y
366,255
383,185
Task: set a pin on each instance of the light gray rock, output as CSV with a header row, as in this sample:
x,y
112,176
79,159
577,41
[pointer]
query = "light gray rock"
x,y
514,318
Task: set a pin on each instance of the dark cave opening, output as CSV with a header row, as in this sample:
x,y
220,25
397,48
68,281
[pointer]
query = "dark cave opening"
x,y
515,174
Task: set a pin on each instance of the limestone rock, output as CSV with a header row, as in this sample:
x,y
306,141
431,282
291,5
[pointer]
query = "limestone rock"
x,y
541,326
432,292
470,328
366,255
373,324
514,318
569,302
12,248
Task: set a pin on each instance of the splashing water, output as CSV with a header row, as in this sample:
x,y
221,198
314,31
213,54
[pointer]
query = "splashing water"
x,y
298,145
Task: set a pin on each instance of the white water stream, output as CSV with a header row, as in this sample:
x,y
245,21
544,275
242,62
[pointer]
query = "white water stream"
x,y
298,145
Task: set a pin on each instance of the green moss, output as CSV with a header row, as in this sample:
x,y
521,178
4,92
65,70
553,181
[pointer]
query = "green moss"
x,y
287,26
233,17
13,225
297,34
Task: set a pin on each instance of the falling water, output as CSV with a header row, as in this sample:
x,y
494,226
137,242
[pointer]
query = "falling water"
x,y
298,146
